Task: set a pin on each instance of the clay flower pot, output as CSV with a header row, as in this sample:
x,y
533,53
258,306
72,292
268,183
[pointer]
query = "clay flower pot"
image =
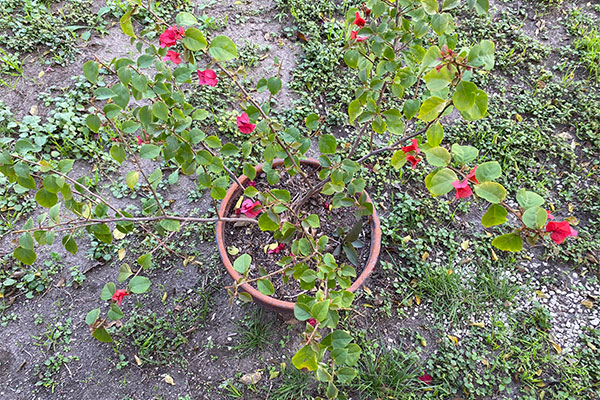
x,y
287,307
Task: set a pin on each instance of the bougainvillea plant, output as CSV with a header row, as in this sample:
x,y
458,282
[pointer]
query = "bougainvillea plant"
x,y
410,74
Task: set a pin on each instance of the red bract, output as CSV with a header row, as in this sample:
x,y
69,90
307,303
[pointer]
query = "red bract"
x,y
426,378
244,125
471,176
413,160
172,56
367,11
139,139
207,77
277,249
414,146
358,21
550,216
252,183
462,189
118,296
251,208
312,321
170,36
354,35
559,231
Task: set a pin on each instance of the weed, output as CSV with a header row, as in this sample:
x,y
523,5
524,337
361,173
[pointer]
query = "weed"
x,y
254,333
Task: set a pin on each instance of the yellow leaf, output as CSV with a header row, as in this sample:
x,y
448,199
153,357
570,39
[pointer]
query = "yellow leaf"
x,y
169,380
465,245
121,254
541,384
570,207
368,290
478,324
450,272
494,256
164,297
587,303
541,294
518,117
232,250
406,239
1,295
557,347
507,356
425,256
423,342
551,207
137,360
418,300
117,234
485,362
271,246
41,73
572,221
454,339
239,203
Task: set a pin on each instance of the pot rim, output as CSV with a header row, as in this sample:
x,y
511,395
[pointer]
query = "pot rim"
x,y
281,305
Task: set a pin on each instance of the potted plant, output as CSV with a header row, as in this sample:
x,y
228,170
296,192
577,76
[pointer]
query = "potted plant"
x,y
410,76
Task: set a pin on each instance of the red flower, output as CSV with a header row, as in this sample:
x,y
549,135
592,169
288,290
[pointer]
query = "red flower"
x,y
550,216
252,183
413,160
277,249
172,56
471,176
118,296
312,321
367,11
358,21
207,77
559,231
354,36
462,189
251,208
139,139
414,146
426,379
170,36
244,125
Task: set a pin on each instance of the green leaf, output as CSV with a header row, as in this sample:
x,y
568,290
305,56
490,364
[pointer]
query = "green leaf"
x,y
431,109
101,232
185,19
527,199
398,159
535,217
441,22
450,4
438,156
93,122
160,110
438,80
435,134
482,55
354,110
464,96
90,71
346,374
126,25
149,151
222,48
92,316
481,6
495,215
124,272
45,198
139,284
491,191
464,154
107,291
351,58
395,121
132,178
242,263
145,260
508,242
101,335
337,339
410,108
440,182
479,109
69,244
327,144
332,391
319,310
117,153
265,287
115,313
313,221
430,6
305,358
103,93
282,195
274,85
170,225
194,40
26,256
143,61
488,171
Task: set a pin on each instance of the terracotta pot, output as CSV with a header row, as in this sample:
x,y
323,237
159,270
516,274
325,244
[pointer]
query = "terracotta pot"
x,y
287,307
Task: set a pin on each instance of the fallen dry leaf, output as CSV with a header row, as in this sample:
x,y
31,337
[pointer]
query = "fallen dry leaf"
x,y
454,339
137,360
465,245
418,300
587,303
251,378
169,379
121,254
557,347
478,324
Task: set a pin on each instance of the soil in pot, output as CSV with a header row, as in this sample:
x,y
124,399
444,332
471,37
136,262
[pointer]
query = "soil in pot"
x,y
251,240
